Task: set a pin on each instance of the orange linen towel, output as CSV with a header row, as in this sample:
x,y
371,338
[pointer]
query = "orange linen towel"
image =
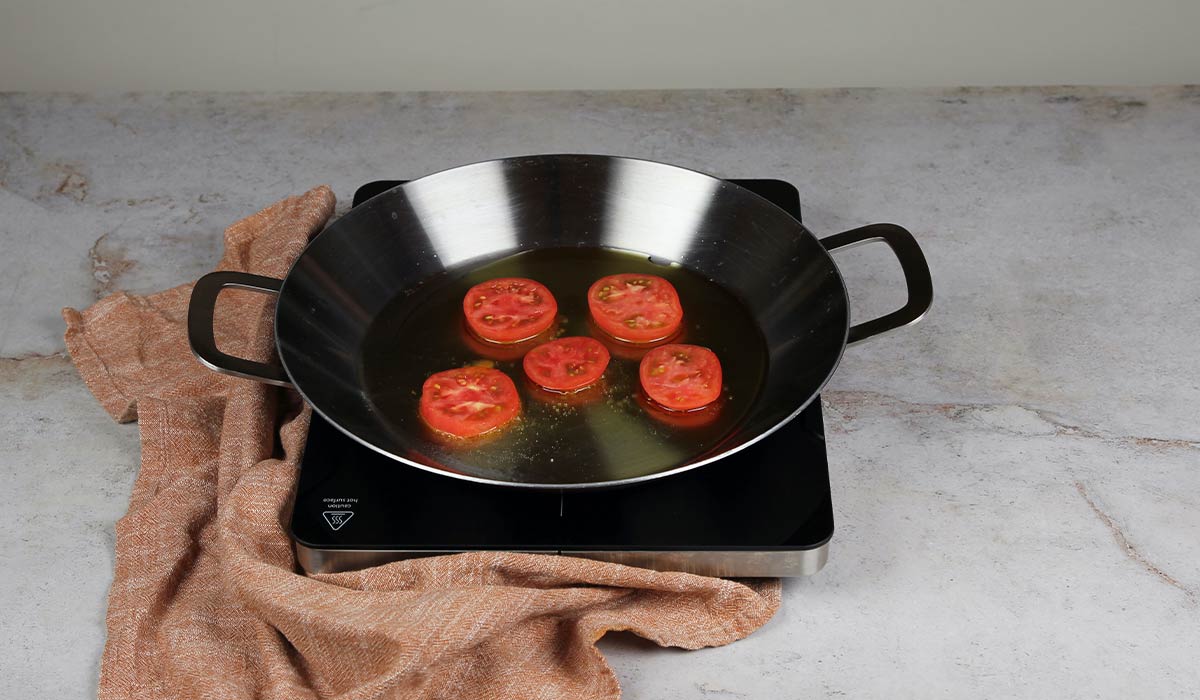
x,y
206,600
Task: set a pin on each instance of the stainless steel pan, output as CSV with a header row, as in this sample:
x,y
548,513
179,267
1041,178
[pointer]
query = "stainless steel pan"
x,y
433,230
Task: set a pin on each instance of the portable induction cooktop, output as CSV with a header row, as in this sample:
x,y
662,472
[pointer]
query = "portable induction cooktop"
x,y
763,511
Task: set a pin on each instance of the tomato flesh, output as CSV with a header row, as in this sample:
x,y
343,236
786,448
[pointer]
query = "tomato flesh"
x,y
509,309
469,401
681,377
567,364
635,308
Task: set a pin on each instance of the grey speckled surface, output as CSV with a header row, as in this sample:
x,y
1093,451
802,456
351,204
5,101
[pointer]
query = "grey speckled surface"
x,y
1016,481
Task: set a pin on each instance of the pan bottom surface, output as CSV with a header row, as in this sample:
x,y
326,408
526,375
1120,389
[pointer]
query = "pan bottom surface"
x,y
608,432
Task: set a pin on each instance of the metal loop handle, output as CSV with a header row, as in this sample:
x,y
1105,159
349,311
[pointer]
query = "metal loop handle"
x,y
912,263
202,336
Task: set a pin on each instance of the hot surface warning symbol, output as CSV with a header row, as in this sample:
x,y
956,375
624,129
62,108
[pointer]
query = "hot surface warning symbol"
x,y
337,518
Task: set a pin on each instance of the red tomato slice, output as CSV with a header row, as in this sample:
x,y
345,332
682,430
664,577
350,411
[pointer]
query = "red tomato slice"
x,y
509,309
635,308
567,364
681,377
469,401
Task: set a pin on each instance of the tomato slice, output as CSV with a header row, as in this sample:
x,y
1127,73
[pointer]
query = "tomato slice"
x,y
567,364
635,308
469,401
681,377
509,309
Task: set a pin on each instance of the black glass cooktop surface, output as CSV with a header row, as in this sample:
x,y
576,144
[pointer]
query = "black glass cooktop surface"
x,y
355,507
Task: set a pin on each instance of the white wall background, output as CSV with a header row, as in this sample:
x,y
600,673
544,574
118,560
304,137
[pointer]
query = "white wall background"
x,y
556,44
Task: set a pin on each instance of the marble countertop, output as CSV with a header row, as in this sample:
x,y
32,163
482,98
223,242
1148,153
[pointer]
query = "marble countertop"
x,y
1016,480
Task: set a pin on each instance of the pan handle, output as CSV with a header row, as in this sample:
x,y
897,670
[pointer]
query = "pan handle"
x,y
202,336
912,263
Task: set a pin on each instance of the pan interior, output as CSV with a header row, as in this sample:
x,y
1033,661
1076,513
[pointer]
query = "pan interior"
x,y
604,433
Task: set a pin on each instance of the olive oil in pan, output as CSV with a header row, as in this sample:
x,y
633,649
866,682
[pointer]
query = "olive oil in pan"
x,y
607,432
